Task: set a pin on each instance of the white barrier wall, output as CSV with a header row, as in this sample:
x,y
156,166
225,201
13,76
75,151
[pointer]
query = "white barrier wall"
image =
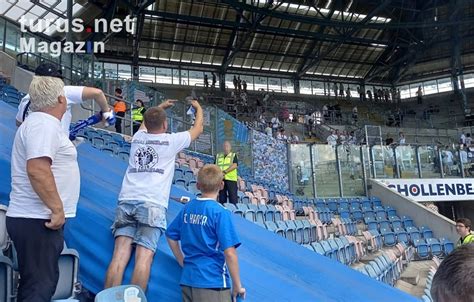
x,y
422,216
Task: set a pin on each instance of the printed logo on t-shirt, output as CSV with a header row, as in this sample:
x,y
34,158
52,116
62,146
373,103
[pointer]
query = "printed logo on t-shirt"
x,y
146,159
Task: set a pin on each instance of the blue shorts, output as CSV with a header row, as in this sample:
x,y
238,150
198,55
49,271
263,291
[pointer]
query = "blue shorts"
x,y
144,222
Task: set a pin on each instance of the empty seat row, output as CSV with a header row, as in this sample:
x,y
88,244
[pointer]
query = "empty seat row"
x,y
431,247
340,249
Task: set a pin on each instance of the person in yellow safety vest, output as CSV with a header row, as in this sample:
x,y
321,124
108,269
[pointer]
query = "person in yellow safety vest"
x,y
228,163
463,228
137,115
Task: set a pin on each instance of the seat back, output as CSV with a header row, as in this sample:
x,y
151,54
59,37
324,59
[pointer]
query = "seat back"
x,y
120,293
68,274
6,280
4,239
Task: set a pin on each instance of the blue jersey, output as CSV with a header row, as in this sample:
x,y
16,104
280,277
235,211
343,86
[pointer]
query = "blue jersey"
x,y
205,230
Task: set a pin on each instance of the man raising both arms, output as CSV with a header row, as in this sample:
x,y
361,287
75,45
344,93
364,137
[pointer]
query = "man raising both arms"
x,y
143,201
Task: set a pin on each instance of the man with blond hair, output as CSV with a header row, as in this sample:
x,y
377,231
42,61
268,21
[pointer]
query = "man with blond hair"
x,y
45,190
209,242
143,201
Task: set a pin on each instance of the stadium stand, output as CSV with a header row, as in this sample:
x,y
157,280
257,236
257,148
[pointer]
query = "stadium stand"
x,y
389,84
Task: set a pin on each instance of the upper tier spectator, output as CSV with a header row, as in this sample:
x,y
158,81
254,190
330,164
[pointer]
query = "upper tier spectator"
x,y
462,138
468,139
454,278
335,90
268,130
214,80
341,90
369,95
348,93
332,139
401,138
244,86
235,82
355,115
419,95
239,84
275,123
294,139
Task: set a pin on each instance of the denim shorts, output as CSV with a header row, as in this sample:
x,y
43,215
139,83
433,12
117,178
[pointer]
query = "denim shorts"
x,y
142,221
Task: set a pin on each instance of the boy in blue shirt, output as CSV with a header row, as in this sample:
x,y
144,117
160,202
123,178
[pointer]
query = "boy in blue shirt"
x,y
208,242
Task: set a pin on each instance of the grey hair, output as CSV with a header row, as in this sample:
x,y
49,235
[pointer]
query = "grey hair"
x,y
44,92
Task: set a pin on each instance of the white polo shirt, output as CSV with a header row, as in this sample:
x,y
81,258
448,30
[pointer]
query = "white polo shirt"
x,y
73,96
41,135
151,166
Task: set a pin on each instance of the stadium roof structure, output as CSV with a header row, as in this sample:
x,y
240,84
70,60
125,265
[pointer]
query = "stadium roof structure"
x,y
373,41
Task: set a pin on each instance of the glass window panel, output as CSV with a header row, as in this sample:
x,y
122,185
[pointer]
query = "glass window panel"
x,y
110,70
229,80
414,89
98,68
274,84
406,160
325,171
469,80
287,86
351,170
301,174
163,76
429,162
318,88
383,162
12,41
147,74
175,76
196,78
405,92
184,77
430,87
248,80
2,31
125,71
260,83
305,87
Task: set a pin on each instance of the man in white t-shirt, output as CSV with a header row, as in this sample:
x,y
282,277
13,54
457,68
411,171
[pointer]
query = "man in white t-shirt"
x,y
269,130
75,95
332,139
143,201
45,190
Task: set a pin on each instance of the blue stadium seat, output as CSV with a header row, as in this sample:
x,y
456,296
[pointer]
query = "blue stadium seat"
x,y
376,202
414,233
407,222
426,232
271,226
385,224
289,232
448,246
116,294
320,203
345,250
357,215
250,212
402,235
397,224
390,211
313,231
231,207
351,248
318,248
6,279
372,273
241,209
389,237
344,213
435,247
306,231
422,249
259,212
180,182
371,223
331,204
123,156
108,151
329,251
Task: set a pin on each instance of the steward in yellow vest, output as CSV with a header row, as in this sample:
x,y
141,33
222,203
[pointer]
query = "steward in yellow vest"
x,y
228,163
137,115
463,228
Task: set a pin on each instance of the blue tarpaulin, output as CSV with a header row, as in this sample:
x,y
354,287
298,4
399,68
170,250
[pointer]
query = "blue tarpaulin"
x,y
272,268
